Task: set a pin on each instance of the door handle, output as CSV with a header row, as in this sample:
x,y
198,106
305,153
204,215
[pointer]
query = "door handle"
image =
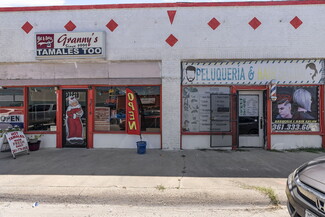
x,y
261,123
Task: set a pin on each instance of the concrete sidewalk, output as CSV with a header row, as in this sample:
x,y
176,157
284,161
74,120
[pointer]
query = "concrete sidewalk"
x,y
119,176
119,190
247,163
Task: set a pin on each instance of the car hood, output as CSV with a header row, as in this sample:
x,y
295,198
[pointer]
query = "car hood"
x,y
313,174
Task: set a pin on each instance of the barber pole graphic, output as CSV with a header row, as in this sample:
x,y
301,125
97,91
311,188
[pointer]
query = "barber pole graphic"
x,y
273,91
132,113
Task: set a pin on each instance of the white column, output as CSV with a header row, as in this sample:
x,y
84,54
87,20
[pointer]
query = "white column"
x,y
171,109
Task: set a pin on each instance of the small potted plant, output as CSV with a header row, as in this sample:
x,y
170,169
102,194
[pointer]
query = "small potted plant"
x,y
34,141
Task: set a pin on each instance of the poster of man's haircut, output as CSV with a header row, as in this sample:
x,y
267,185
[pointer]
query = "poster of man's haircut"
x,y
296,109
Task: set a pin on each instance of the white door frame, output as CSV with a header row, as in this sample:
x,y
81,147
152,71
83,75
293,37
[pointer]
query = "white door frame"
x,y
253,140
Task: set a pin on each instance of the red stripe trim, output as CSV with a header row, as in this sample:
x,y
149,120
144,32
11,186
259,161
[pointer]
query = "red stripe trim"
x,y
40,132
298,133
161,117
159,5
207,133
321,117
123,132
268,123
25,109
90,118
59,118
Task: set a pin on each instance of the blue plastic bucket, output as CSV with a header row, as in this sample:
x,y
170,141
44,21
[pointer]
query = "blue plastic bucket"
x,y
141,147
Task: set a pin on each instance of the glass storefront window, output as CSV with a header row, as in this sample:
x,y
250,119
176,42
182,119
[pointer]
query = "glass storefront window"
x,y
296,109
12,97
110,108
206,109
11,111
41,109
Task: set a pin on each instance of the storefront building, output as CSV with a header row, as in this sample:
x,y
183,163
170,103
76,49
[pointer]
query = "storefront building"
x,y
208,75
251,102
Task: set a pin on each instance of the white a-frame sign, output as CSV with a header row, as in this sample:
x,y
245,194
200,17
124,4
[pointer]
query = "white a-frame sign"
x,y
18,142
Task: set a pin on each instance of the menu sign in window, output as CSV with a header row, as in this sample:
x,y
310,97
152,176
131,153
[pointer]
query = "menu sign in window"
x,y
220,112
248,105
197,108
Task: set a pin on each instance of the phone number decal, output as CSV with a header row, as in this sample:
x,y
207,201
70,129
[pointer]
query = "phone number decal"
x,y
291,127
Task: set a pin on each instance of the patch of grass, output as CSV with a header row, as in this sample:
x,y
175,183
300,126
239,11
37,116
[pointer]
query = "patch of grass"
x,y
274,150
216,149
179,184
160,187
241,150
310,150
269,192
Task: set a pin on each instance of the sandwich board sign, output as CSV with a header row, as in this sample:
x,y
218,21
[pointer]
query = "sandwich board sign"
x,y
17,142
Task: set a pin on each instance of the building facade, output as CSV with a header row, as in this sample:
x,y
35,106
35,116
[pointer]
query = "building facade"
x,y
208,75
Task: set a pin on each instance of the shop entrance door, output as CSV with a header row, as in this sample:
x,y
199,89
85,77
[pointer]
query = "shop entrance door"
x,y
250,119
74,118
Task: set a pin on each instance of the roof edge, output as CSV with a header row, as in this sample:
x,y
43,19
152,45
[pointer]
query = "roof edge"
x,y
160,5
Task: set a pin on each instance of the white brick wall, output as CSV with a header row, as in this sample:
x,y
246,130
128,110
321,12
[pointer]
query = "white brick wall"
x,y
142,32
171,109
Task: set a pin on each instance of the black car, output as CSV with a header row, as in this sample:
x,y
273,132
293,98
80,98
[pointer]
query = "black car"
x,y
306,190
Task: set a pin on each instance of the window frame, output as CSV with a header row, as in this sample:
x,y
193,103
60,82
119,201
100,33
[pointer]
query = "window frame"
x,y
232,107
124,131
18,108
320,109
26,110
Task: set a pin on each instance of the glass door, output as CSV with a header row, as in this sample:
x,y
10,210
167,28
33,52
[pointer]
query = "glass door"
x,y
251,119
74,118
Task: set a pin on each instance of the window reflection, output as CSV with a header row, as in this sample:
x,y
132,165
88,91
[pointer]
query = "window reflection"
x,y
41,109
11,111
206,109
12,97
110,108
248,125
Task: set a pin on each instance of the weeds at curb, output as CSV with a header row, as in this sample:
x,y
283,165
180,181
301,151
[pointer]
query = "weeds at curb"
x,y
269,192
160,187
241,150
276,151
310,150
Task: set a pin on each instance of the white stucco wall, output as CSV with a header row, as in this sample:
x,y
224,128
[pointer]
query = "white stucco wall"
x,y
141,36
283,142
204,141
125,141
141,32
48,141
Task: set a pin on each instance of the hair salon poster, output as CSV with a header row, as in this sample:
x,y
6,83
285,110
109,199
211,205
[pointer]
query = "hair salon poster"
x,y
253,72
296,109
